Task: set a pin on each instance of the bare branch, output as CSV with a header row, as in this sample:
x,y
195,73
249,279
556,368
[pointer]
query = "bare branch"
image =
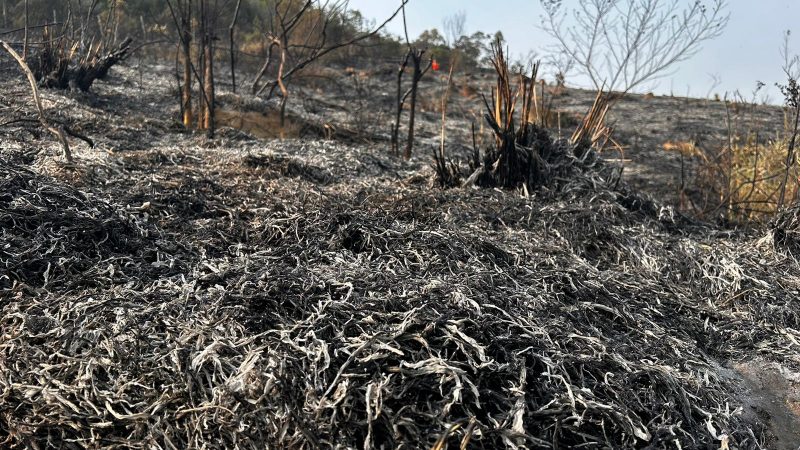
x,y
624,43
454,28
312,52
58,132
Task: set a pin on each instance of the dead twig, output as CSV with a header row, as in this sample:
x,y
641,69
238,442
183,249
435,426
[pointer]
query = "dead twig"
x,y
57,132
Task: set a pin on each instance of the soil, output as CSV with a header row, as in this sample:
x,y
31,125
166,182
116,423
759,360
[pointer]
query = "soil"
x,y
772,396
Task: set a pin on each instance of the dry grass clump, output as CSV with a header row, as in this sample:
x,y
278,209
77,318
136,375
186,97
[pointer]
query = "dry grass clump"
x,y
751,178
266,125
468,90
687,149
746,181
756,176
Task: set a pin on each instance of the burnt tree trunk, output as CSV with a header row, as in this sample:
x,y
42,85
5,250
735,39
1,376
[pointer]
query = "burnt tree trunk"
x,y
186,47
416,60
25,38
400,101
232,31
208,85
201,68
208,68
99,69
282,86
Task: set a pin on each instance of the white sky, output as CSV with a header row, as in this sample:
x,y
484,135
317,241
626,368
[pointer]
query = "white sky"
x,y
748,51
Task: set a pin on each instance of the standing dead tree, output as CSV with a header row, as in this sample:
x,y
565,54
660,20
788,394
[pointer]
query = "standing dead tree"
x,y
621,44
183,21
415,55
232,40
454,27
298,37
185,15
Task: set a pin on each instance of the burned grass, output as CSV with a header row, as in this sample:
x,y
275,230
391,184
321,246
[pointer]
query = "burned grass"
x,y
373,314
56,237
308,294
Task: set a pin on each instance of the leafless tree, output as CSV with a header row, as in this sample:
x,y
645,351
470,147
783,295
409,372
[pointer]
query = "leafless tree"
x,y
298,37
185,14
716,81
454,28
620,44
562,65
416,56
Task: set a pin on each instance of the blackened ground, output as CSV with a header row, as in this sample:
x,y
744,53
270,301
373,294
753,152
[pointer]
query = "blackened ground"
x,y
315,294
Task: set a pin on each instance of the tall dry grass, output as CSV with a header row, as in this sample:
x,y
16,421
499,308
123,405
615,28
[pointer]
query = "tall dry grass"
x,y
748,179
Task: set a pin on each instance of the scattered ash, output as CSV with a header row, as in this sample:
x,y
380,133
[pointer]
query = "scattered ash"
x,y
307,294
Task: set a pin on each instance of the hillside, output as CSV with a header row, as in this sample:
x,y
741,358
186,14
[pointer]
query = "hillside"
x,y
165,291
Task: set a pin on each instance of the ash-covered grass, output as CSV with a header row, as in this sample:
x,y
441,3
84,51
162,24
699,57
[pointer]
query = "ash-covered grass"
x,y
307,294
